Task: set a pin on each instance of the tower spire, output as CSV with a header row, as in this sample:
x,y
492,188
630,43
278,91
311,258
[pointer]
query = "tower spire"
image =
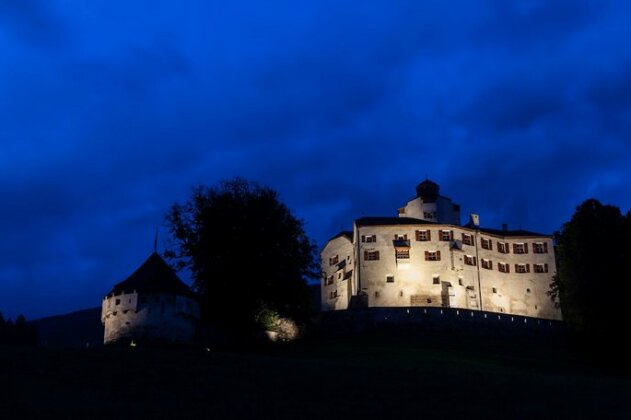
x,y
155,241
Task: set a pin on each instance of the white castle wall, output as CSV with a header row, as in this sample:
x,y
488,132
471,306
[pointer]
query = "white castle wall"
x,y
153,317
337,287
458,285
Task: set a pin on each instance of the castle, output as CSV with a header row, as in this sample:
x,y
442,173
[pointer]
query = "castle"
x,y
152,305
424,257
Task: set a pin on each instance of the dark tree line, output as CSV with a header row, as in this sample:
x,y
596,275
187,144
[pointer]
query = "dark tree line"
x,y
17,332
593,280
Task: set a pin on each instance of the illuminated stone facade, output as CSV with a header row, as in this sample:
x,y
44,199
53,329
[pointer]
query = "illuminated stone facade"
x,y
151,306
425,257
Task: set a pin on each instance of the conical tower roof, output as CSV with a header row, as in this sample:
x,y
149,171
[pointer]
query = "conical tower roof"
x,y
153,276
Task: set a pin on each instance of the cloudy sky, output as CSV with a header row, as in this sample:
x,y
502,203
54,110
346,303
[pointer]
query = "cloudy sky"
x,y
110,111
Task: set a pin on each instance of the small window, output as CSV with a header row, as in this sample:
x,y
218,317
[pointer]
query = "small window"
x,y
446,235
389,278
540,248
400,237
467,239
429,300
436,280
401,293
423,235
487,264
403,254
520,248
470,260
118,301
486,244
376,294
502,247
369,238
522,268
371,255
460,282
330,280
494,290
541,268
432,255
427,215
527,290
503,268
334,260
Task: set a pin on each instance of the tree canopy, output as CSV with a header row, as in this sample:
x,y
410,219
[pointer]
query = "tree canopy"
x,y
245,250
593,281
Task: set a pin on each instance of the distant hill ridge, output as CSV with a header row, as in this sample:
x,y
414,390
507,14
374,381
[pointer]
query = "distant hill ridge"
x,y
75,329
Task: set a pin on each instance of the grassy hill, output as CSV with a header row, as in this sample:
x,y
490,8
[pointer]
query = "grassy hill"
x,y
437,376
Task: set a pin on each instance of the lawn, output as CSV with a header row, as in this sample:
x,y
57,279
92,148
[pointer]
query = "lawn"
x,y
369,378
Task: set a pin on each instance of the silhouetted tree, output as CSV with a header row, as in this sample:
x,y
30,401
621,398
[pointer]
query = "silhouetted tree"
x,y
593,281
18,332
246,252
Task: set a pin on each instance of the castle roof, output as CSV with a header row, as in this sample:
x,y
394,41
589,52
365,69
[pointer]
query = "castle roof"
x,y
392,221
344,234
153,276
385,221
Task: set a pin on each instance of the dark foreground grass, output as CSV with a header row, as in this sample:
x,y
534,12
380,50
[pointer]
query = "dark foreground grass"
x,y
370,378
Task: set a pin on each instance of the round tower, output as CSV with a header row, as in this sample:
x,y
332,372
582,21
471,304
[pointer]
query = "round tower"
x,y
151,306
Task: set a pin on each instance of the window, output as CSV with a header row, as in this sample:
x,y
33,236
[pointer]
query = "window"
x,y
339,275
541,268
447,235
460,281
495,290
432,255
436,280
423,235
520,248
333,294
334,260
503,248
470,260
389,278
503,268
399,237
428,215
540,248
330,280
429,300
487,264
403,254
118,301
522,268
487,244
527,290
376,294
467,239
371,255
369,238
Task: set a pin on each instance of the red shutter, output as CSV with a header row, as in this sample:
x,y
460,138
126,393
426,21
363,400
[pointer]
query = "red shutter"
x,y
426,255
545,247
526,247
490,245
376,255
490,265
365,255
507,268
418,235
363,238
527,268
507,248
545,268
463,236
451,235
429,235
438,255
516,269
475,260
515,248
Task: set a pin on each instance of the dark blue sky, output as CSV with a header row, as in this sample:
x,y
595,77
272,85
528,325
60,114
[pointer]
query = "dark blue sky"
x,y
110,111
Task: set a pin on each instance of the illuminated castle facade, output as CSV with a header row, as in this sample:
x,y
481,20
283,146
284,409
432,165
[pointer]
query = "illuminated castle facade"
x,y
424,257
